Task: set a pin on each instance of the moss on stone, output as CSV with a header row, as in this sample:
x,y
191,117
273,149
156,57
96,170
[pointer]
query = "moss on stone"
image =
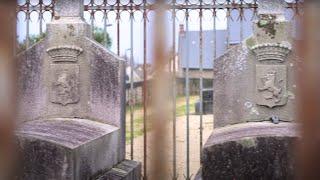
x,y
250,42
248,142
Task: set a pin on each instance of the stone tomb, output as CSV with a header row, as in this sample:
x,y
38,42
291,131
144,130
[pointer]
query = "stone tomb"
x,y
254,104
71,105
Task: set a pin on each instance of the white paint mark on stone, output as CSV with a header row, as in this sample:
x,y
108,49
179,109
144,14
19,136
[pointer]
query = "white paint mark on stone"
x,y
248,104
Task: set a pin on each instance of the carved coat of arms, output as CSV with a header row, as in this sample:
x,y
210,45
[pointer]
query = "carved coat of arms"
x,y
64,85
271,85
271,74
64,74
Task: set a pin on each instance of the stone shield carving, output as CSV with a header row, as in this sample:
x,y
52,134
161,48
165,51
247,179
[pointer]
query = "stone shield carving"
x,y
271,85
271,74
64,84
64,74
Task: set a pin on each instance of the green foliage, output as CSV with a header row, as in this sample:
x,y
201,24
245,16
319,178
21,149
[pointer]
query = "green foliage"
x,y
98,35
101,37
32,40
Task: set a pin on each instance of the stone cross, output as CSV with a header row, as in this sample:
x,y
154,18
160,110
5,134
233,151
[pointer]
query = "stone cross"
x,y
69,8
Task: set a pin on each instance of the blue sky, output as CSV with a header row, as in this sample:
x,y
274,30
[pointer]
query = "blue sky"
x,y
125,28
221,23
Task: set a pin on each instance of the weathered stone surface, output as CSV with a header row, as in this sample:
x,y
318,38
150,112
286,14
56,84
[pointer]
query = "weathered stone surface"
x,y
72,102
31,89
250,151
255,81
271,7
69,8
93,86
126,170
67,148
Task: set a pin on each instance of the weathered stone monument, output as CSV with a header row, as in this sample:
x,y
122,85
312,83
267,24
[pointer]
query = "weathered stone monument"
x,y
71,106
254,104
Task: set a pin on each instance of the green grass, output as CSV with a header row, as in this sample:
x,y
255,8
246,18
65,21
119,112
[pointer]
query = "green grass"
x,y
138,115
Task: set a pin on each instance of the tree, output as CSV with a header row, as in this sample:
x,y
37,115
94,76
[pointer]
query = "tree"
x,y
98,35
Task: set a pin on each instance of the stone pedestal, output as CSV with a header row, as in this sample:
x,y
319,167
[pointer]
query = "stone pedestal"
x,y
72,103
254,104
67,148
250,151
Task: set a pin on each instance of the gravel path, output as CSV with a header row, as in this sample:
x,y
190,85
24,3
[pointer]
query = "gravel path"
x,y
181,144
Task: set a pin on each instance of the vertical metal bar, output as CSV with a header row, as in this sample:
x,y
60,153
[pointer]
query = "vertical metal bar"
x,y
132,96
201,75
160,99
8,76
92,17
28,24
242,17
15,34
187,88
174,100
145,91
228,25
105,33
214,43
308,89
40,16
118,27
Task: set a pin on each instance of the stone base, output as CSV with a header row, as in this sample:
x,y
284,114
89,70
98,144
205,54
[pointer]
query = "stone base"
x,y
67,148
126,170
250,151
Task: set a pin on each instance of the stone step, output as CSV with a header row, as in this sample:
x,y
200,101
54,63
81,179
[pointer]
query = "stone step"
x,y
126,170
260,150
65,148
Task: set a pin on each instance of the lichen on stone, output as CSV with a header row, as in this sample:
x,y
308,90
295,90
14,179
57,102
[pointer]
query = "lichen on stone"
x,y
250,42
267,23
248,142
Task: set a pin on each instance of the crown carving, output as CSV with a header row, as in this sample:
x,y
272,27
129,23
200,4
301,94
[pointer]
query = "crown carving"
x,y
271,51
64,53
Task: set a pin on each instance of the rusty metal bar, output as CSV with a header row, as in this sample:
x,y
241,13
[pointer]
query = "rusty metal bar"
x,y
201,76
241,17
28,25
174,100
308,89
92,18
160,100
8,92
138,7
118,27
105,32
187,93
214,44
175,6
132,93
40,17
228,16
145,92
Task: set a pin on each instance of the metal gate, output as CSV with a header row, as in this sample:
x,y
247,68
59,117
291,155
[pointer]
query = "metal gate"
x,y
193,39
